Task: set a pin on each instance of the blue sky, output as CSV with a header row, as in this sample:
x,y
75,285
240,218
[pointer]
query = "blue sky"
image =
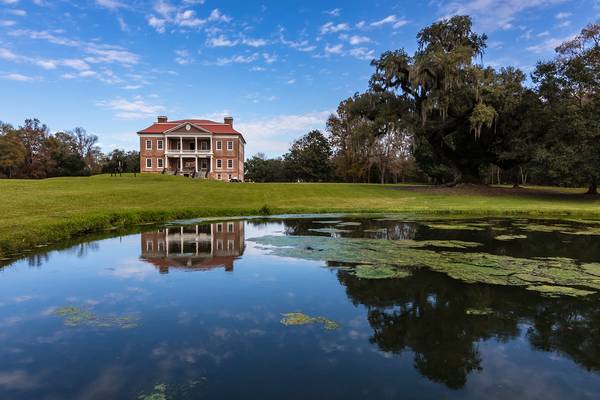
x,y
278,67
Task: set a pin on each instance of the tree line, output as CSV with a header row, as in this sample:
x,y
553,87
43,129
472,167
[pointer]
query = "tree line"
x,y
31,151
441,116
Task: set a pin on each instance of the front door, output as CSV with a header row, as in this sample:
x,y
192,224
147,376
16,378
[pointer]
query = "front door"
x,y
203,163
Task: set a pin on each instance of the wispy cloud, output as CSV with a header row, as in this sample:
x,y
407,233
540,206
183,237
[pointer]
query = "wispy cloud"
x,y
334,49
491,15
334,13
17,77
182,57
166,14
331,27
131,109
110,4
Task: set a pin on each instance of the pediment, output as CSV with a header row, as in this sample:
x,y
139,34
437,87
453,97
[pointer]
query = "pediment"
x,y
187,128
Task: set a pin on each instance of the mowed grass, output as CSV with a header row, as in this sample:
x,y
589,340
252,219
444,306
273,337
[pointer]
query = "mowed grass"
x,y
35,212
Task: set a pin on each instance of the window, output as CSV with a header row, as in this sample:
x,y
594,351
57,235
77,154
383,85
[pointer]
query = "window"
x,y
219,164
148,144
229,145
230,227
203,145
220,244
149,245
230,165
219,228
219,145
148,163
159,162
219,176
230,245
159,145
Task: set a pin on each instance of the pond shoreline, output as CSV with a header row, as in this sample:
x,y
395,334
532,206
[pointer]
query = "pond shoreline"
x,y
26,242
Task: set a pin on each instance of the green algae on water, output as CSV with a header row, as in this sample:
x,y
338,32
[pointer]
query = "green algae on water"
x,y
379,272
298,318
455,227
479,311
159,392
510,237
75,316
467,266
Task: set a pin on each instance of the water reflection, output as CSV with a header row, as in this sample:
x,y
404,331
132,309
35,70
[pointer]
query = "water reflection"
x,y
209,329
194,247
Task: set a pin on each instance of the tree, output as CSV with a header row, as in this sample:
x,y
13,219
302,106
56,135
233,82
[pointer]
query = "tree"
x,y
12,154
570,88
454,108
261,169
32,136
309,158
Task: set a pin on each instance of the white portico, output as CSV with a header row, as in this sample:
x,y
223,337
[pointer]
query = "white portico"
x,y
188,150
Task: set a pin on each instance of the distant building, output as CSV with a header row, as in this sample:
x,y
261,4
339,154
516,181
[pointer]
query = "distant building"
x,y
193,147
194,247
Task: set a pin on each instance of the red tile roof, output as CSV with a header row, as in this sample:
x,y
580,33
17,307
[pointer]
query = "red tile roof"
x,y
211,126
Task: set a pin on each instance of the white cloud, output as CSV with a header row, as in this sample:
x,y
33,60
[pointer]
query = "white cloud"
x,y
7,22
273,134
330,27
563,15
362,53
290,81
17,77
77,64
181,17
221,41
334,13
97,52
9,2
254,42
390,19
6,54
131,109
182,57
18,13
548,45
337,49
110,4
239,59
490,15
269,58
400,23
356,40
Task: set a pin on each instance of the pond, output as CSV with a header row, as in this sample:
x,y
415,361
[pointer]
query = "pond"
x,y
299,307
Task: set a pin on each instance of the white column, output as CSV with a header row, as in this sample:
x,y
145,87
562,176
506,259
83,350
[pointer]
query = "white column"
x,y
196,158
167,241
180,144
181,239
196,146
166,162
180,163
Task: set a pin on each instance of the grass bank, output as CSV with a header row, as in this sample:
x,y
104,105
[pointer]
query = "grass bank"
x,y
36,212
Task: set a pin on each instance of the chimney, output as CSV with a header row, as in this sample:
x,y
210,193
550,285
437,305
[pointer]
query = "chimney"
x,y
228,121
161,119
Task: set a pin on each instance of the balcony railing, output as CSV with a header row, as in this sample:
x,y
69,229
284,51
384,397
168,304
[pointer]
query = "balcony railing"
x,y
187,151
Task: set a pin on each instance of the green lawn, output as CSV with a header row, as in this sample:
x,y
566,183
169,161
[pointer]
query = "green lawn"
x,y
41,211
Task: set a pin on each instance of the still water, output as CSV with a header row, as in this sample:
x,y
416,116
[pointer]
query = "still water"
x,y
197,311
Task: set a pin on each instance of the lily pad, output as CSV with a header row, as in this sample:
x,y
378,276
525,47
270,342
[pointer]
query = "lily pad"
x,y
510,237
455,227
75,316
298,318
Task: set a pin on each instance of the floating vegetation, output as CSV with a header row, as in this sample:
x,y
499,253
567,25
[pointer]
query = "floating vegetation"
x,y
297,318
455,227
543,228
349,223
379,272
586,232
479,311
510,237
327,222
563,275
75,316
159,392
329,230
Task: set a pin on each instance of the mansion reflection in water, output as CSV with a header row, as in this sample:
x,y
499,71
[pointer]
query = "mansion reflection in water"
x,y
194,247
